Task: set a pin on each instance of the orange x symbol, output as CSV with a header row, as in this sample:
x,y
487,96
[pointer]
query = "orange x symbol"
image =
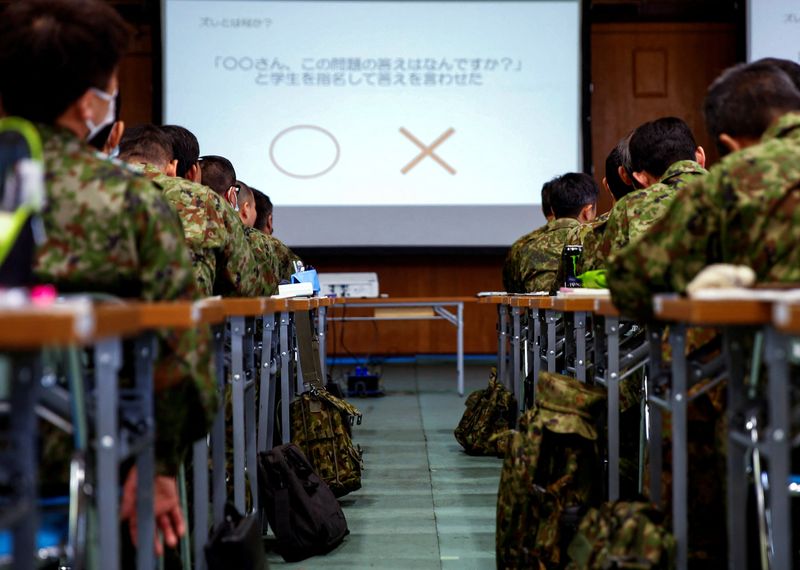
x,y
427,150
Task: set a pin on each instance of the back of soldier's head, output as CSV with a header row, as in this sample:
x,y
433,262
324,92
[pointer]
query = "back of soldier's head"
x,y
53,51
789,67
146,144
185,148
656,145
246,194
614,161
218,173
546,207
571,193
263,211
746,99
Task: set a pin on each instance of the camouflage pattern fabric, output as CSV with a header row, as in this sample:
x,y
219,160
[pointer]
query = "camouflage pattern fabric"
x,y
746,211
549,474
110,230
490,412
622,535
284,256
533,260
637,211
223,262
591,239
265,253
320,428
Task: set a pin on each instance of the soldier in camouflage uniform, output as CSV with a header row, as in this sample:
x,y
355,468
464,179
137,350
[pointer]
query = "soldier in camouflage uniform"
x,y
107,229
664,159
263,223
617,183
533,261
224,264
743,212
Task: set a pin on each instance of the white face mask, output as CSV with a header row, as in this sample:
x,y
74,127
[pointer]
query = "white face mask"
x,y
111,98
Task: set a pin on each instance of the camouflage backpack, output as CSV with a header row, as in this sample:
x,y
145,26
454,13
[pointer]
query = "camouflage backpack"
x,y
490,411
321,429
552,472
622,535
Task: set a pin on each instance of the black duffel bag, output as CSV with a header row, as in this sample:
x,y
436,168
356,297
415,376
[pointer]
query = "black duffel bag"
x,y
303,513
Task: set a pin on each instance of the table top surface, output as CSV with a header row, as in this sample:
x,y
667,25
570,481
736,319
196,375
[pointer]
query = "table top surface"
x,y
786,317
605,308
181,314
574,304
32,327
531,301
712,311
405,300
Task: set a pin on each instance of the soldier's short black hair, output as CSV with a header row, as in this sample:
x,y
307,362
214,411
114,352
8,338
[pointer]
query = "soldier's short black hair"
x,y
218,173
52,51
145,143
263,210
613,162
656,145
789,67
546,207
571,192
246,193
185,148
746,98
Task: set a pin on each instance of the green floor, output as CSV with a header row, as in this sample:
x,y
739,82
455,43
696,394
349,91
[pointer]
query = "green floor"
x,y
424,504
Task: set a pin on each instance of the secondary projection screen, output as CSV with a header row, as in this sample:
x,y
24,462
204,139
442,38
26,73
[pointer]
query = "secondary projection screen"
x,y
773,29
383,123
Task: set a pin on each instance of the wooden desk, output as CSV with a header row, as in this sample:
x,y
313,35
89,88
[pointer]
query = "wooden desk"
x,y
726,312
441,307
182,314
605,308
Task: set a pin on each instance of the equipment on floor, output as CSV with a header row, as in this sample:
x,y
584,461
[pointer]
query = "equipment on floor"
x,y
550,474
622,535
236,543
301,509
365,382
490,412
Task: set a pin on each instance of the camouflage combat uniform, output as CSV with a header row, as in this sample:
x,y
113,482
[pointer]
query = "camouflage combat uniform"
x,y
589,235
746,211
284,256
637,211
271,253
224,263
110,230
532,262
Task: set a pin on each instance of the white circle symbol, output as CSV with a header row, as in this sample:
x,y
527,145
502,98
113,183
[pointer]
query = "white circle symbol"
x,y
301,149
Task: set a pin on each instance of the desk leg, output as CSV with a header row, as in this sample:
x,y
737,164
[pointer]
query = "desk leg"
x,y
219,491
551,317
286,383
23,376
516,353
237,399
502,343
145,460
535,332
680,462
612,374
107,363
322,314
250,423
737,455
460,348
655,447
266,399
580,345
779,444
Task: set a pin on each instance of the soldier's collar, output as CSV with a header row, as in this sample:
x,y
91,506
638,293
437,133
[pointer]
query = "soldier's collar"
x,y
682,167
782,127
563,223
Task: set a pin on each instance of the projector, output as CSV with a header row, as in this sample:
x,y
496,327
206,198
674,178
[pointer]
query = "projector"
x,y
348,284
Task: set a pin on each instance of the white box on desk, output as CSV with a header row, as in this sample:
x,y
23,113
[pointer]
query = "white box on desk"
x,y
349,284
